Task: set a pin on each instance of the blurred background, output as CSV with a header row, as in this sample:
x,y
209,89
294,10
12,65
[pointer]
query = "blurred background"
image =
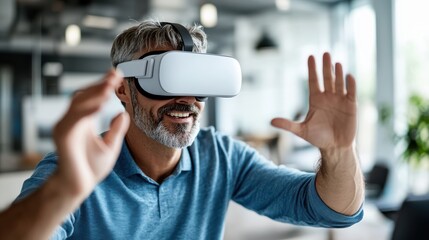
x,y
50,48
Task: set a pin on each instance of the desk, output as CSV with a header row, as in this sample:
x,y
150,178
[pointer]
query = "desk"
x,y
245,224
374,226
15,162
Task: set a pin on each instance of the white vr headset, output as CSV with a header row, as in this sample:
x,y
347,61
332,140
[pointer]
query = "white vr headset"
x,y
184,73
179,73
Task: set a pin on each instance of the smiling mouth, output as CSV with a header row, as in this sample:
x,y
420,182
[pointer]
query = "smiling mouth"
x,y
179,114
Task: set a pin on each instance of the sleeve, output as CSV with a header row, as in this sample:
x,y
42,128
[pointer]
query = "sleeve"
x,y
41,173
281,193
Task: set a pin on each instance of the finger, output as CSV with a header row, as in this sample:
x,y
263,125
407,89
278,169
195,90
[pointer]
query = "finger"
x,y
339,79
328,78
118,127
109,81
351,87
313,83
90,100
287,125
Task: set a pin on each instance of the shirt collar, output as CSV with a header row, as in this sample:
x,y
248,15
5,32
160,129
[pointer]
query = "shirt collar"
x,y
184,162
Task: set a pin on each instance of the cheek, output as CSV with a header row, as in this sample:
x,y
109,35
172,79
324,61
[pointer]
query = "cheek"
x,y
145,106
154,113
201,106
152,109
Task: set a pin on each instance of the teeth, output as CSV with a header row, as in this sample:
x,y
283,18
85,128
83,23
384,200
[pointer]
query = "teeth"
x,y
178,115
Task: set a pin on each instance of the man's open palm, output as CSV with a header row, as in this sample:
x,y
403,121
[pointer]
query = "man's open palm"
x,y
331,119
85,158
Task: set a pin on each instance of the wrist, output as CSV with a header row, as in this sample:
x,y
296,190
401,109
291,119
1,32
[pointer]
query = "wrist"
x,y
339,181
59,189
338,162
336,155
41,212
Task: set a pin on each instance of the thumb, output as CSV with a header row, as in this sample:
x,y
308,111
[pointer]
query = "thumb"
x,y
287,125
119,126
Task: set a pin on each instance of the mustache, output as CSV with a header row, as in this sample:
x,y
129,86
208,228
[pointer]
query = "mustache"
x,y
180,108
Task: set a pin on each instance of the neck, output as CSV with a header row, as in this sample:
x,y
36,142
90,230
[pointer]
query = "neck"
x,y
156,160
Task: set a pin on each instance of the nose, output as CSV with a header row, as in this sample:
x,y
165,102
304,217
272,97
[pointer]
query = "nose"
x,y
186,100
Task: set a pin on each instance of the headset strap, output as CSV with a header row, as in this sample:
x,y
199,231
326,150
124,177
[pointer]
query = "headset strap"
x,y
187,42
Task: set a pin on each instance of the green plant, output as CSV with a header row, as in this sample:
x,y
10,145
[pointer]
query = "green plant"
x,y
416,137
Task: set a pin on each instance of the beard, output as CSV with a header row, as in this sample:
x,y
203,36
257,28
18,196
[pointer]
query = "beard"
x,y
180,136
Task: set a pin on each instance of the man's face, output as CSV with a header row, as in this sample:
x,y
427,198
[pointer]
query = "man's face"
x,y
173,122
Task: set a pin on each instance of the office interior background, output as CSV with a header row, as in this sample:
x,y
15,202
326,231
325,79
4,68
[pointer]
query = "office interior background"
x,y
51,48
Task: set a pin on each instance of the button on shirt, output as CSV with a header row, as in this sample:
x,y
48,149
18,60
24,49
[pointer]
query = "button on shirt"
x,y
192,202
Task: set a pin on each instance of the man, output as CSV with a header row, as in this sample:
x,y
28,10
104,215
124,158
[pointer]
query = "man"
x,y
170,180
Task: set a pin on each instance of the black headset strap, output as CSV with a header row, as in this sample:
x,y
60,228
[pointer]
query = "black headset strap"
x,y
159,97
187,42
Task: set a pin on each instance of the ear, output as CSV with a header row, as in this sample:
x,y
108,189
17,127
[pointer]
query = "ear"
x,y
122,91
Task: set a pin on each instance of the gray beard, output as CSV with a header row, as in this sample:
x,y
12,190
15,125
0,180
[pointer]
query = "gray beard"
x,y
155,129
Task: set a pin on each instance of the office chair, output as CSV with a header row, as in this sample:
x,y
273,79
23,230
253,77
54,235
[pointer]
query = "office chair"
x,y
376,181
412,222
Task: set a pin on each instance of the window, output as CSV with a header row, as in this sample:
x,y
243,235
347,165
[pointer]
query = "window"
x,y
412,37
362,21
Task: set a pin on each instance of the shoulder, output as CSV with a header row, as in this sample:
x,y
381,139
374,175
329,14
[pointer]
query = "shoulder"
x,y
46,165
41,172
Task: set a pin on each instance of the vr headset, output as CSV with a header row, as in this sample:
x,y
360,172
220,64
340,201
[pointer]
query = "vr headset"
x,y
169,74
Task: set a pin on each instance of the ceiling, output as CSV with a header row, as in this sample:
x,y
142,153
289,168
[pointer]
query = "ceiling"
x,y
47,19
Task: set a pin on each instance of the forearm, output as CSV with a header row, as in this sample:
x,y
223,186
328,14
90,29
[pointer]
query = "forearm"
x,y
38,215
339,181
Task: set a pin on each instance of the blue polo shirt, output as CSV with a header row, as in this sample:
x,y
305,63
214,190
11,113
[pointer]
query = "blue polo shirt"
x,y
192,202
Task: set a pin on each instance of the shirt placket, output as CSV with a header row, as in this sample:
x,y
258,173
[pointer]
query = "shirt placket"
x,y
163,200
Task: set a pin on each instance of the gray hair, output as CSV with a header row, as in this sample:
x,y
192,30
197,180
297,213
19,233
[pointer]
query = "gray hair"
x,y
148,35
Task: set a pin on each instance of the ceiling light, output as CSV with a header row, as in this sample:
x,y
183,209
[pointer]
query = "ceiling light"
x,y
99,22
283,5
208,15
73,35
265,43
